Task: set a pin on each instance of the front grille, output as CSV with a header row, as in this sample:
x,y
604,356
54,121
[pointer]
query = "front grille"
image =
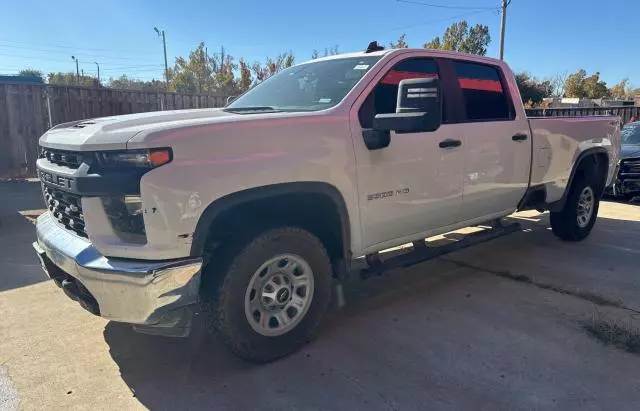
x,y
66,208
630,166
71,159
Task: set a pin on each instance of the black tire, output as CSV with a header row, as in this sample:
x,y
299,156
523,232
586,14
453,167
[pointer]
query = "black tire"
x,y
224,298
564,223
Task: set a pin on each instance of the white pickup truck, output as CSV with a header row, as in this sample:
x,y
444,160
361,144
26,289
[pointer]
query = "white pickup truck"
x,y
247,214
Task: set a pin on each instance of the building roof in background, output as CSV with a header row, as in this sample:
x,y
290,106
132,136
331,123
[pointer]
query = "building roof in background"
x,y
7,79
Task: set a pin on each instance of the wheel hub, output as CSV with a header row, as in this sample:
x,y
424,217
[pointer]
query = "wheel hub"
x,y
586,204
283,295
279,295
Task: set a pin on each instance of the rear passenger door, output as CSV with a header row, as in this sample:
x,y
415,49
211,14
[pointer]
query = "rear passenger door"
x,y
497,145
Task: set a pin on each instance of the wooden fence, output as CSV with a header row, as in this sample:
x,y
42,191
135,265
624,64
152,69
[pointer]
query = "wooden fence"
x,y
627,113
27,111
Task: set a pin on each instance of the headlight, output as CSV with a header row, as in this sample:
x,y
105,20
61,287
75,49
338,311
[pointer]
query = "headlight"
x,y
150,158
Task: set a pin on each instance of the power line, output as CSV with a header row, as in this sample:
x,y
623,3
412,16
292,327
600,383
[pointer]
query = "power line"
x,y
83,59
445,6
48,49
81,55
34,57
142,66
424,23
70,47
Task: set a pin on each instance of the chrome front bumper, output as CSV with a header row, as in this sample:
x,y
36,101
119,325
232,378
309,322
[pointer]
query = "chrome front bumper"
x,y
154,295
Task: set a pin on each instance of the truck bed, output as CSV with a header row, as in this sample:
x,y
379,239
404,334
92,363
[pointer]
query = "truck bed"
x,y
557,143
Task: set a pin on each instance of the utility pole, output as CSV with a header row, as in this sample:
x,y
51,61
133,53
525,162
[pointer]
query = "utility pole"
x,y
97,65
503,26
77,69
164,44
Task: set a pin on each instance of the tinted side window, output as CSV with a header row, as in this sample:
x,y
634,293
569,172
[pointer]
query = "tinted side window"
x,y
384,96
482,91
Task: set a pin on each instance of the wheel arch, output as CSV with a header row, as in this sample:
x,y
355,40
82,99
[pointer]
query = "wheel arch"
x,y
596,156
214,214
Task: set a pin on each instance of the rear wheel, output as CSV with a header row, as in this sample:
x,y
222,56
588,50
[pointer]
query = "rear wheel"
x,y
576,219
271,296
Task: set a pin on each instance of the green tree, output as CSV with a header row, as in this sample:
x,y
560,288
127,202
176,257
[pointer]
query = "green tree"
x,y
579,85
533,90
195,73
127,83
460,37
70,79
202,72
29,72
401,43
574,84
272,66
223,71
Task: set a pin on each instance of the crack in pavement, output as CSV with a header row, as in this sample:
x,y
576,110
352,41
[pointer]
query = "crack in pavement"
x,y
521,278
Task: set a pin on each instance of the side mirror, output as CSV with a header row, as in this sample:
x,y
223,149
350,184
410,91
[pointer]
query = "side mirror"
x,y
418,108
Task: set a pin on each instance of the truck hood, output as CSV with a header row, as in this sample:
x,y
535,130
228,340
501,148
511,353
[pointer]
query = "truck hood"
x,y
629,150
112,133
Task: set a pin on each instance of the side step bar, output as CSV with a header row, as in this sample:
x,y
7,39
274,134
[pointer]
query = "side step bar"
x,y
422,251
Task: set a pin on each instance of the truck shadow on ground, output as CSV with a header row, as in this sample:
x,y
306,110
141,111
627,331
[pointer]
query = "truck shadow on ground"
x,y
19,265
199,372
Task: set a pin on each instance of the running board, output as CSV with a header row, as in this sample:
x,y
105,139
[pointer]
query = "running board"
x,y
423,252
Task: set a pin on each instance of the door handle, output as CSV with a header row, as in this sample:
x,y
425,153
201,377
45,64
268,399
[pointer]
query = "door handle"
x,y
519,137
450,143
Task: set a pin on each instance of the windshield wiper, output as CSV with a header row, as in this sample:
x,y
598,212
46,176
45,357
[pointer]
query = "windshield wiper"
x,y
251,108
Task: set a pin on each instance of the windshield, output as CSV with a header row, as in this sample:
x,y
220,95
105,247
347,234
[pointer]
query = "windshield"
x,y
307,87
631,133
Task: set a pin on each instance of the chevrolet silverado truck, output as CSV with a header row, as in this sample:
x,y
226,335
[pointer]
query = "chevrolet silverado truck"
x,y
246,215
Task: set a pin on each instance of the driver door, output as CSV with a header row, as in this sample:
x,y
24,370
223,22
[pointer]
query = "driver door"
x,y
414,185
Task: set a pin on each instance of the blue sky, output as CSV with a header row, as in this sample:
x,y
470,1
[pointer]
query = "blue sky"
x,y
544,37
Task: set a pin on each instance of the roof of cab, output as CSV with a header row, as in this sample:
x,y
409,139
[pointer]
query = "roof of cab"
x,y
433,52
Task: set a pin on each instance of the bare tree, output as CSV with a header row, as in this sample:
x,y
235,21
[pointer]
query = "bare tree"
x,y
558,82
401,43
328,51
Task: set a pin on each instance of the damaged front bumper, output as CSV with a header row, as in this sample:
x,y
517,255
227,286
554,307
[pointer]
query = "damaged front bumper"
x,y
157,297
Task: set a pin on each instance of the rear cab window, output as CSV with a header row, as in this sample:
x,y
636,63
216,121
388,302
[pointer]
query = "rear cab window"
x,y
484,94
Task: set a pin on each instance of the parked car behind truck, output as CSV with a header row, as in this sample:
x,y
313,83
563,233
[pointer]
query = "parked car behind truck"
x,y
626,185
247,213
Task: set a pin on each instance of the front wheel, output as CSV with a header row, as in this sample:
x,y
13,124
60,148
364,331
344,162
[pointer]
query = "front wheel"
x,y
272,294
576,219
